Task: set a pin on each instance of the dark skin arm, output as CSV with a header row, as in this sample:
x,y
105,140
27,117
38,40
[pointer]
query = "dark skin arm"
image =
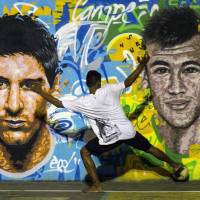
x,y
36,87
133,76
139,109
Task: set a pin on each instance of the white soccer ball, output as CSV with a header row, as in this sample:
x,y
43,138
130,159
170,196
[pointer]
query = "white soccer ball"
x,y
65,122
181,175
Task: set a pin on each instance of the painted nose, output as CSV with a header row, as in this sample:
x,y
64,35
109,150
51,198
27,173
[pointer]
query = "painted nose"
x,y
14,104
176,85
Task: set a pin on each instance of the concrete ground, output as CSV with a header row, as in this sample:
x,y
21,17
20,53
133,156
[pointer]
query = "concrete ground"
x,y
52,190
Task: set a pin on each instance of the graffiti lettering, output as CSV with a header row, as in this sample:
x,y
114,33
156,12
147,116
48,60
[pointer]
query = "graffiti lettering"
x,y
33,9
80,51
115,13
63,165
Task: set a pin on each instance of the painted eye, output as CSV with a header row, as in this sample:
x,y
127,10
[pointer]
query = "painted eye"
x,y
190,70
3,84
26,85
161,70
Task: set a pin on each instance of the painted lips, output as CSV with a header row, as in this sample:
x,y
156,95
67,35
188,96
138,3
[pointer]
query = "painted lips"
x,y
15,124
177,104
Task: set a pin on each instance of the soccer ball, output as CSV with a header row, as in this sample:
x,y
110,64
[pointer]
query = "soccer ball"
x,y
64,121
181,174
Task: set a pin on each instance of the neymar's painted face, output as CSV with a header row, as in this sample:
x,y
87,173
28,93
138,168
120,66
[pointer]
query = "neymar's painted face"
x,y
174,79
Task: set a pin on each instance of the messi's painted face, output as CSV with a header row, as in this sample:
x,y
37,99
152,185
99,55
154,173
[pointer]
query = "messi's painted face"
x,y
21,110
174,79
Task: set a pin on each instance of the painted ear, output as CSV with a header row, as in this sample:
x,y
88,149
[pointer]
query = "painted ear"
x,y
145,83
55,90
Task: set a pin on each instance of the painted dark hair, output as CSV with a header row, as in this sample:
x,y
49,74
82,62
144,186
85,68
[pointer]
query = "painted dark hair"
x,y
171,26
25,34
92,77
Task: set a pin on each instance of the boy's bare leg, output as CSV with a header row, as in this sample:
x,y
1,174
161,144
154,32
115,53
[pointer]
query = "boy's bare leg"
x,y
162,156
91,170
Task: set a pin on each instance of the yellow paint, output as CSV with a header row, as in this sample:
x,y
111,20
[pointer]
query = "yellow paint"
x,y
140,175
59,9
12,11
194,150
47,11
24,9
111,80
125,42
5,10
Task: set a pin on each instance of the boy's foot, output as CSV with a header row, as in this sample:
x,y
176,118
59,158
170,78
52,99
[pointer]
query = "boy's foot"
x,y
93,188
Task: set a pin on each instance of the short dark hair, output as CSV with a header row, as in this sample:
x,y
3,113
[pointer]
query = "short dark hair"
x,y
92,78
25,34
171,26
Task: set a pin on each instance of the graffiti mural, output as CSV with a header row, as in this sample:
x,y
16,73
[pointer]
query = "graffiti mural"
x,y
44,142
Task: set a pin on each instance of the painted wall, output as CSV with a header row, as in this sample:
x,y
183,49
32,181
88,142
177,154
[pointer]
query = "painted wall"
x,y
106,36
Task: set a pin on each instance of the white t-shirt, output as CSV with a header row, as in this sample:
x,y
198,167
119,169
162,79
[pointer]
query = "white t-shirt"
x,y
104,113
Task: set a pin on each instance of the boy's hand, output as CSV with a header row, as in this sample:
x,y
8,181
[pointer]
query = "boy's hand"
x,y
144,60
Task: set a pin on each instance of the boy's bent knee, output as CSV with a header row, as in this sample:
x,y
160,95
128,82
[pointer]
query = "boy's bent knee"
x,y
150,149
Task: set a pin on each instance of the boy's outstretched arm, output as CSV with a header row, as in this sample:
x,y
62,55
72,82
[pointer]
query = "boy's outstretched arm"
x,y
36,87
133,76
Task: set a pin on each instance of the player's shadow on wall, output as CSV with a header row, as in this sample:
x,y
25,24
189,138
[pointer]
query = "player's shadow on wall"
x,y
121,160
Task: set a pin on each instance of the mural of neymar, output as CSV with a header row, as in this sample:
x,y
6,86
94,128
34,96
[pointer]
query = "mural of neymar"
x,y
126,48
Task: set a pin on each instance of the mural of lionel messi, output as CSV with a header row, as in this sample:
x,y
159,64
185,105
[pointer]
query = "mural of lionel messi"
x,y
28,54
